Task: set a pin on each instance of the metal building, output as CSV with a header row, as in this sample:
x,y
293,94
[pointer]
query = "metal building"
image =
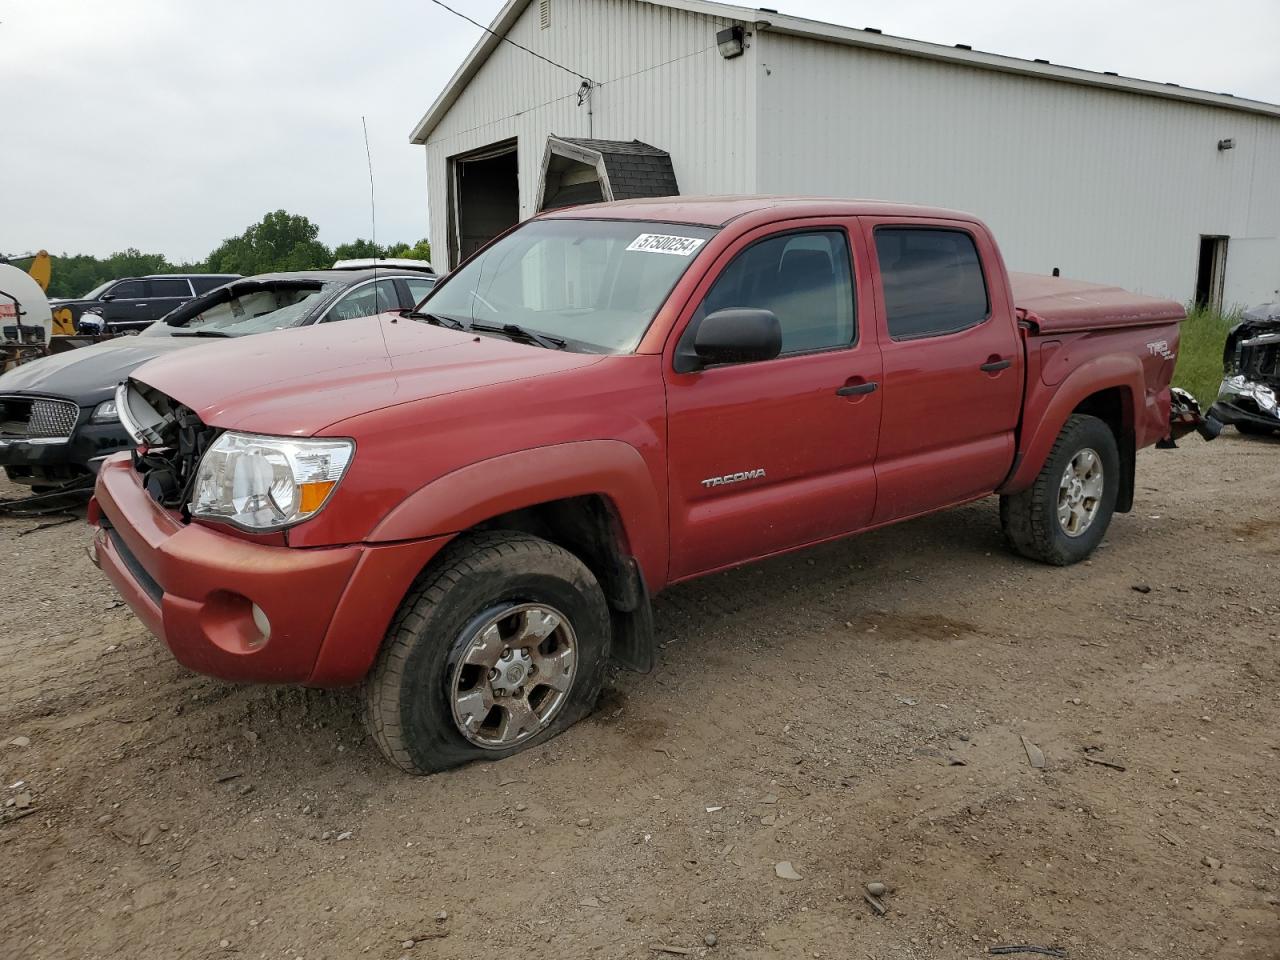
x,y
1160,188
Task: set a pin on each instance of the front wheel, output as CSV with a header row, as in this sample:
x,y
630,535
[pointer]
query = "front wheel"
x,y
1064,515
500,646
1254,429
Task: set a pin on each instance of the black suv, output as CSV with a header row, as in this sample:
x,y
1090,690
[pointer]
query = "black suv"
x,y
130,304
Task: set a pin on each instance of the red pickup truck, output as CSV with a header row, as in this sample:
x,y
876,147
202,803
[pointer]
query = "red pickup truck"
x,y
467,507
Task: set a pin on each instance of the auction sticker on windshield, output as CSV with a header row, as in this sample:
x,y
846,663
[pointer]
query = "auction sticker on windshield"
x,y
661,243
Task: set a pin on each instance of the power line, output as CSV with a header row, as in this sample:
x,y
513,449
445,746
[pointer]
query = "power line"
x,y
476,23
570,96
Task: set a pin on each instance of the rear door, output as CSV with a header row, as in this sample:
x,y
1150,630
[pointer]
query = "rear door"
x,y
166,294
952,364
774,454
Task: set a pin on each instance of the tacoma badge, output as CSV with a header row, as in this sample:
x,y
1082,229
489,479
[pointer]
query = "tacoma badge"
x,y
755,474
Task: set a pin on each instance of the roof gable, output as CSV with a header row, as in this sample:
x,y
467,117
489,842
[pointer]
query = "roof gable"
x,y
771,21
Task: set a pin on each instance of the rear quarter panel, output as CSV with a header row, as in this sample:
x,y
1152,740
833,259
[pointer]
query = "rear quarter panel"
x,y
1063,370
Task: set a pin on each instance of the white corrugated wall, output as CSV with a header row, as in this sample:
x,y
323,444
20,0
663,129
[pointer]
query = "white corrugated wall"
x,y
661,80
1108,186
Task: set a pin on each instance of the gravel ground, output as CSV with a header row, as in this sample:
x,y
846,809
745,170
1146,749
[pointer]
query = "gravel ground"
x,y
860,711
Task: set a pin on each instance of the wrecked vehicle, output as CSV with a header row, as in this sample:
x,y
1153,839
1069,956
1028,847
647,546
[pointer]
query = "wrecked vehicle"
x,y
1251,373
58,417
468,508
131,304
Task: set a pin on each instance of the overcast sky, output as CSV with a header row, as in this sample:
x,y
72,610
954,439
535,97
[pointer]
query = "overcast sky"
x,y
169,125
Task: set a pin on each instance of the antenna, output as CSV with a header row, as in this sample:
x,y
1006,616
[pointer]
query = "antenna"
x,y
373,206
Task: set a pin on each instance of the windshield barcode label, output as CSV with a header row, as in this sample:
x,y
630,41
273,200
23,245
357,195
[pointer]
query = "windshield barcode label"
x,y
660,243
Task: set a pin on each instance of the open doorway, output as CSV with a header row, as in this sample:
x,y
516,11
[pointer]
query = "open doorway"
x,y
484,200
1210,272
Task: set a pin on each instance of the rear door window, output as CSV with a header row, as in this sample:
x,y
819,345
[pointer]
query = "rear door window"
x,y
205,284
171,288
365,301
419,287
932,280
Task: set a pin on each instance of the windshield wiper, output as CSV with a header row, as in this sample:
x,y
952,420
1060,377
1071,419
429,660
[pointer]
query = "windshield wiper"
x,y
434,319
200,333
524,334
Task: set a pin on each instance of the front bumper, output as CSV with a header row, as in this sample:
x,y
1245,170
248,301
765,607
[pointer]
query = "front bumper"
x,y
77,456
196,587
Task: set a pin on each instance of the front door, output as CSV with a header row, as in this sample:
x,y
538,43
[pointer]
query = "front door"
x,y
953,365
775,454
127,305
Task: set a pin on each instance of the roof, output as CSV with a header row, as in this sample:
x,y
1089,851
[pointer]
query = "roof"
x,y
347,276
183,276
401,263
719,211
634,169
867,37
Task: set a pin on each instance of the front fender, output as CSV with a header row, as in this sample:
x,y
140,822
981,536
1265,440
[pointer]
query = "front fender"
x,y
477,492
1048,408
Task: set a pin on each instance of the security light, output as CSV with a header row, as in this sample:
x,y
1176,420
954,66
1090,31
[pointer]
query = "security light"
x,y
730,41
1227,144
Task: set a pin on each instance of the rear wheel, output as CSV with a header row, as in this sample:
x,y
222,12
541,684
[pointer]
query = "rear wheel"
x,y
1064,515
500,646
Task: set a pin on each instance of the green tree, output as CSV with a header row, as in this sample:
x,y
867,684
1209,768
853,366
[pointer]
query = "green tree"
x,y
280,241
358,249
419,251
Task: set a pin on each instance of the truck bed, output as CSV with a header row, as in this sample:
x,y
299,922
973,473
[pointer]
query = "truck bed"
x,y
1058,305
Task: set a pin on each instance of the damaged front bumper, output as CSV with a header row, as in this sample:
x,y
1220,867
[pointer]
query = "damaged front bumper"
x,y
1251,371
1242,401
1185,416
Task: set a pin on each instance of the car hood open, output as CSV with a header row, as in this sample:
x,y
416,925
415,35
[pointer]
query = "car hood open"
x,y
297,382
89,374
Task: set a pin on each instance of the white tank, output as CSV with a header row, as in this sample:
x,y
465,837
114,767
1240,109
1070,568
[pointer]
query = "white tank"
x,y
22,302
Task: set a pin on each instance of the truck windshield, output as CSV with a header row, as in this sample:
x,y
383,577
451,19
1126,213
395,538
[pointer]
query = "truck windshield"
x,y
596,284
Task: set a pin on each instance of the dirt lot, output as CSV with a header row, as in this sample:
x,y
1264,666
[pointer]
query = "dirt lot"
x,y
857,710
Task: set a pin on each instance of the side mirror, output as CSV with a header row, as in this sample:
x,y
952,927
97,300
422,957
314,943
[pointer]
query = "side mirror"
x,y
107,297
734,335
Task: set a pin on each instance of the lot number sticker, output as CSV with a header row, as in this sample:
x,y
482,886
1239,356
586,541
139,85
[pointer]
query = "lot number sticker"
x,y
661,243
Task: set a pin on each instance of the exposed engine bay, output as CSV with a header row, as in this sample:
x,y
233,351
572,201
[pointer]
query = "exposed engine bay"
x,y
171,439
1251,372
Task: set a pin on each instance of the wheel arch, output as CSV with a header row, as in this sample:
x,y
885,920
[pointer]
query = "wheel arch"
x,y
1108,388
596,499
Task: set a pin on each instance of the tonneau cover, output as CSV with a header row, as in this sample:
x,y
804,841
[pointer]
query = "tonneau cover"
x,y
1058,305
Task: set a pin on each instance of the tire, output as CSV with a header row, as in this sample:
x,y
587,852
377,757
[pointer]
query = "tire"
x,y
1254,430
505,586
1030,519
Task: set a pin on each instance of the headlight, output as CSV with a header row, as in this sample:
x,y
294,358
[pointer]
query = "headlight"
x,y
265,483
105,412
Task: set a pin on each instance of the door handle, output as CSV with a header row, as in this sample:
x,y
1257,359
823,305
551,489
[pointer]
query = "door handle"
x,y
856,389
991,366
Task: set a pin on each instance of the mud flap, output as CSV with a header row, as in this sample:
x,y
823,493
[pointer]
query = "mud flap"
x,y
633,641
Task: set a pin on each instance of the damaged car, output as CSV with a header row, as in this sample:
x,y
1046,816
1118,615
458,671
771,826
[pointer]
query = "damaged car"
x,y
1250,387
58,417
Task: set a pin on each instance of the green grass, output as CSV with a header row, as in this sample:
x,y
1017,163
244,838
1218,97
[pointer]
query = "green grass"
x,y
1199,367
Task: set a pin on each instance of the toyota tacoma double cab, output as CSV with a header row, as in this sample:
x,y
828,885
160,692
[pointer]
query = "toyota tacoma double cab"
x,y
467,508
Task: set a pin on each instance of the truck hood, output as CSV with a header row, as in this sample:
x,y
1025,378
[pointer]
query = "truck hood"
x,y
297,382
89,374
